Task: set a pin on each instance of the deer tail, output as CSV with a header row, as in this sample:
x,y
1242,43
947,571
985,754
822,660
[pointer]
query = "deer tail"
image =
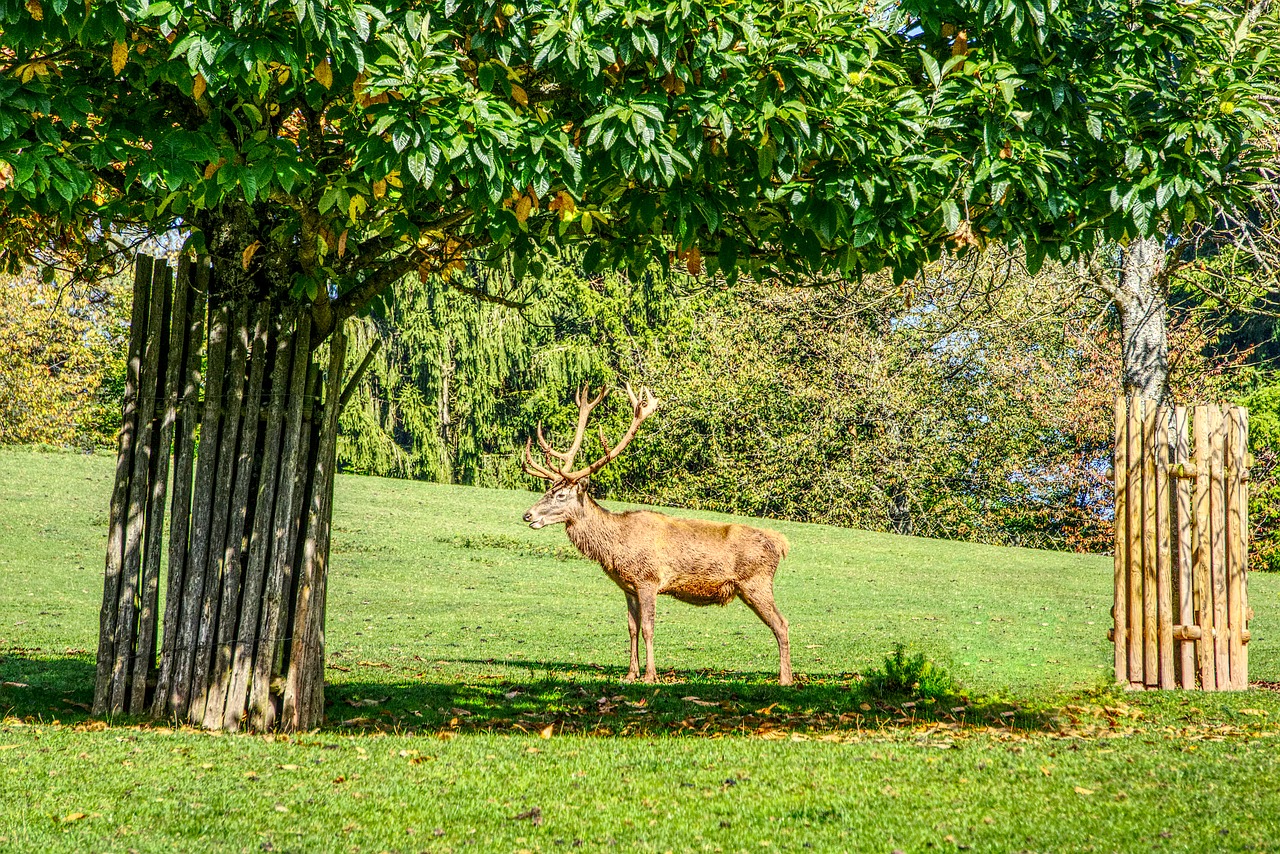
x,y
777,542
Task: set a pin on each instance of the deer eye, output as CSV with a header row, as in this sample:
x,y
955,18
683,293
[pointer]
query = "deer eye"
x,y
562,495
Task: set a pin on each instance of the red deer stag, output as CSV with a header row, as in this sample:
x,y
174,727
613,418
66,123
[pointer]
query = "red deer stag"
x,y
646,553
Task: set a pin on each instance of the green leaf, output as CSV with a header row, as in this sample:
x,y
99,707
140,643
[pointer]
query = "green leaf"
x,y
950,215
931,69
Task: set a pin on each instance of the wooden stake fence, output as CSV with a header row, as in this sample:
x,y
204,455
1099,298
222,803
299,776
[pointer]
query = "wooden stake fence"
x,y
225,400
1181,546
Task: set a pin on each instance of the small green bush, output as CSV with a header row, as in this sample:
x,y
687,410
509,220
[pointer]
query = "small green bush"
x,y
906,675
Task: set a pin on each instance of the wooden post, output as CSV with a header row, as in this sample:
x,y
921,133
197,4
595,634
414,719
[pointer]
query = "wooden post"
x,y
1237,514
1218,566
192,336
202,502
139,492
1204,551
1184,527
109,615
261,534
215,575
165,391
1119,610
303,706
1133,524
1150,613
233,577
1164,554
262,712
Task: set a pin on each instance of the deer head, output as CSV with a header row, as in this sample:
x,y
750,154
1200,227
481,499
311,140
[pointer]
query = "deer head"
x,y
567,496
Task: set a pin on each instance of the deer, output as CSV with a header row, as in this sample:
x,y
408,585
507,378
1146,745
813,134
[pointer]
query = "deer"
x,y
649,554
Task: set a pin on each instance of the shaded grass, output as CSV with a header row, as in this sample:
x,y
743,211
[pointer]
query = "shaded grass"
x,y
457,635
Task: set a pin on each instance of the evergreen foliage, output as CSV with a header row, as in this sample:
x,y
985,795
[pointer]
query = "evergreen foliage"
x,y
461,383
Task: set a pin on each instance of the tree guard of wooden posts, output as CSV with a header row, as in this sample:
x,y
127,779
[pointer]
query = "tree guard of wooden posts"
x,y
226,400
1181,546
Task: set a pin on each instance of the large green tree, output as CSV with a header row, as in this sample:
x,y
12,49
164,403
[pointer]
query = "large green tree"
x,y
311,153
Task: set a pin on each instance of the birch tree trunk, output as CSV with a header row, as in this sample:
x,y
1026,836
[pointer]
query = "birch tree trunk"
x,y
1141,296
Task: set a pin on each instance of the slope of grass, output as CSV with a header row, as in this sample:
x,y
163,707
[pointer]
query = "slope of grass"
x,y
453,629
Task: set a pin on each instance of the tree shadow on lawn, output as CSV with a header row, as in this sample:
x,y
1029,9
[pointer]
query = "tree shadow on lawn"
x,y
43,688
593,700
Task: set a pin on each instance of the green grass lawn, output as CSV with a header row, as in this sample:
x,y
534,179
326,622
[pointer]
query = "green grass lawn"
x,y
457,636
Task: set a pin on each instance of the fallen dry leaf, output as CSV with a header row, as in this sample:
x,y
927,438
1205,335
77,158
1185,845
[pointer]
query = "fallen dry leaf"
x,y
533,815
547,731
1081,790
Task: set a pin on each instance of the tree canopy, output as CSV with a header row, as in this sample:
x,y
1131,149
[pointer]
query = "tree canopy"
x,y
327,148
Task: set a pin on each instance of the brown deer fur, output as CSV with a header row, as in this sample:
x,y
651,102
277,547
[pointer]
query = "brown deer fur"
x,y
647,554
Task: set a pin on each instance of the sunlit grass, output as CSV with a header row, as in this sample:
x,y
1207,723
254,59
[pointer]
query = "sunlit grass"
x,y
457,636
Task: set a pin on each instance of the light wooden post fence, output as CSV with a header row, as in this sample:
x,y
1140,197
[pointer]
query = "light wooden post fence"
x,y
1181,546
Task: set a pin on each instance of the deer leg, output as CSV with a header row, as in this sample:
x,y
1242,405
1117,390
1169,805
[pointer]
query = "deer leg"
x,y
759,598
633,628
648,600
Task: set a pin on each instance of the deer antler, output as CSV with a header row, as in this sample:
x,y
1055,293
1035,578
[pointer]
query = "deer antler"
x,y
641,407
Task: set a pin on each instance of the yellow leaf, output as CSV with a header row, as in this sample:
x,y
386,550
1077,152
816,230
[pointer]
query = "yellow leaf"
x,y
694,263
75,816
521,96
8,747
522,208
119,56
247,255
1081,790
356,207
394,179
379,189
324,73
198,86
282,77
586,222
36,10
547,731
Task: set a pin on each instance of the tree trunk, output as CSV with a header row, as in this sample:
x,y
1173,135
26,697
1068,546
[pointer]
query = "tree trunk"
x,y
242,637
1142,300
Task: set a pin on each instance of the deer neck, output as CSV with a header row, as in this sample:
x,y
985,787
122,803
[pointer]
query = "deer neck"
x,y
594,531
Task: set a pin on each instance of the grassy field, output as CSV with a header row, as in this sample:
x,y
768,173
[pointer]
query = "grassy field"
x,y
458,638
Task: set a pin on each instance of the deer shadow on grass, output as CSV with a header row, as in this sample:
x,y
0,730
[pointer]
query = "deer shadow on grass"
x,y
530,697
